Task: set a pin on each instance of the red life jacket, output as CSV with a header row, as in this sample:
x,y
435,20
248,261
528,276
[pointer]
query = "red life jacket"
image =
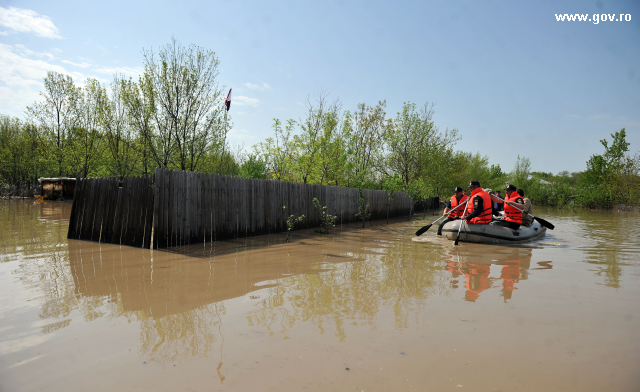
x,y
512,214
486,215
454,203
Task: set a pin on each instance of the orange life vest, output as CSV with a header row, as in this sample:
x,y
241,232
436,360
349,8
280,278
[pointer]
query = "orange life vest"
x,y
486,215
454,203
512,214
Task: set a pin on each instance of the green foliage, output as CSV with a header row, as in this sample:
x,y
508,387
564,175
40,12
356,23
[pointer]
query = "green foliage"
x,y
253,167
363,208
327,221
292,220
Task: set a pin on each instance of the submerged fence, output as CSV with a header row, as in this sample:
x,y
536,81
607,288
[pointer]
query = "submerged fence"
x,y
183,208
195,207
107,210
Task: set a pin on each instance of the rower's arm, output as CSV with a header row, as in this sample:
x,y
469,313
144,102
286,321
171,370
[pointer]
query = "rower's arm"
x,y
519,203
477,208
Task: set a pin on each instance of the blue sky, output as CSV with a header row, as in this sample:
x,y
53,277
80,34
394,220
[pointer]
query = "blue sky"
x,y
512,79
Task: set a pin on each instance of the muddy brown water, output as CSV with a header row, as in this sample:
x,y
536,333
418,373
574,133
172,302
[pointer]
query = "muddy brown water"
x,y
371,309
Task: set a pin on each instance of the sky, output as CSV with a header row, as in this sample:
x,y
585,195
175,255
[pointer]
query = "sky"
x,y
510,77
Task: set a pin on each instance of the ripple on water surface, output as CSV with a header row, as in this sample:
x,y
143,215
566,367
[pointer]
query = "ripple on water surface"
x,y
399,312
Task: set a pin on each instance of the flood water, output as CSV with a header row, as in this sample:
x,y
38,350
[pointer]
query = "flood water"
x,y
371,309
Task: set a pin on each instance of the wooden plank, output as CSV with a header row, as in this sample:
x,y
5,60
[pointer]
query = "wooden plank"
x,y
87,227
76,210
133,215
97,219
126,200
158,223
148,224
141,205
107,220
72,216
156,205
174,208
171,228
206,208
117,221
168,205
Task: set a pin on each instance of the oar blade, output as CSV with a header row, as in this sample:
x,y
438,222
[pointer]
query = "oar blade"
x,y
458,236
423,230
544,223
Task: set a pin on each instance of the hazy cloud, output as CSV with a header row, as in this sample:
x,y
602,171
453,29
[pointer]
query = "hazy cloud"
x,y
25,21
245,101
23,77
129,71
257,87
81,65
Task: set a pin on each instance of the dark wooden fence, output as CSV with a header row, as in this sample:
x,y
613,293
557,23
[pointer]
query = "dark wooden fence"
x,y
194,207
107,210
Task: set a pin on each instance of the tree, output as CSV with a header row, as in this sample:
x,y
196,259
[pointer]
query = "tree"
x,y
277,151
18,160
55,117
253,167
363,133
318,130
417,152
121,138
87,140
139,103
187,104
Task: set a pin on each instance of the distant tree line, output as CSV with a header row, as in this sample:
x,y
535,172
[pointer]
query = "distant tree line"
x,y
173,116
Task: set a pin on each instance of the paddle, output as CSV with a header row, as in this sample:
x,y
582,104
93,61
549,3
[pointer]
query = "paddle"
x,y
427,227
460,227
543,222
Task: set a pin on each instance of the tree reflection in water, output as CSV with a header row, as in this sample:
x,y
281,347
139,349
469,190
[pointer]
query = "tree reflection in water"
x,y
179,300
396,274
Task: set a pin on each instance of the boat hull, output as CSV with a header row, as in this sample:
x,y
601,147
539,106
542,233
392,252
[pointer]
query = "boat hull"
x,y
488,234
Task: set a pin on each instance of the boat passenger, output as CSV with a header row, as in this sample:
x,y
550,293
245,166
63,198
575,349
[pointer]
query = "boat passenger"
x,y
513,206
458,198
497,207
527,220
479,208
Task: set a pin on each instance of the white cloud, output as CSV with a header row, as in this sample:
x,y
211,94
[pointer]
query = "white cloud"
x,y
598,116
22,77
129,71
245,101
81,65
24,21
257,87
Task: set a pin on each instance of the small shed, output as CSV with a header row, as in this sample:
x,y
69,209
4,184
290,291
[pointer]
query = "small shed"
x,y
57,188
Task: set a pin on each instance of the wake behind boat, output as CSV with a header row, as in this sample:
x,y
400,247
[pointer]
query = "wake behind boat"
x,y
488,234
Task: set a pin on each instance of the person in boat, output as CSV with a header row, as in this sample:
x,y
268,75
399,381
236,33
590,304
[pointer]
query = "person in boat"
x,y
497,207
527,220
479,208
458,198
513,206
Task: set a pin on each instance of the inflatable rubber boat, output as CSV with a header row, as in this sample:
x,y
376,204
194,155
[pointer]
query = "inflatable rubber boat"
x,y
488,234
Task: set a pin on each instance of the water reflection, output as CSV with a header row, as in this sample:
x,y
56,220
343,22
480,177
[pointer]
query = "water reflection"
x,y
180,298
396,273
473,266
609,240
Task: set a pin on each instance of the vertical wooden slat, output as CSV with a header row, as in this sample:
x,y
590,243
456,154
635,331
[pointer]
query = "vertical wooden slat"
x,y
156,205
75,208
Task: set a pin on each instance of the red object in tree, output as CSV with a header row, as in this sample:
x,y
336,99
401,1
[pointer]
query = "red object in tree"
x,y
227,102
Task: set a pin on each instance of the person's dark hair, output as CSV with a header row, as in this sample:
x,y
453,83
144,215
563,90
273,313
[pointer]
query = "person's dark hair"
x,y
520,192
